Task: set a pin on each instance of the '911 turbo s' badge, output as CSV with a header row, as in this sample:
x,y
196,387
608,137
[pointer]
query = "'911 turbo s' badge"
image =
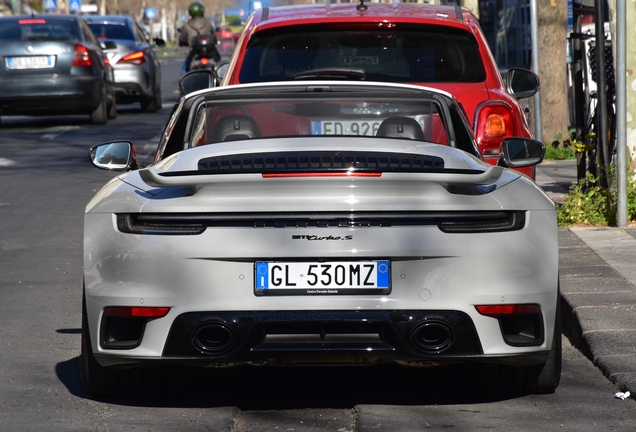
x,y
315,237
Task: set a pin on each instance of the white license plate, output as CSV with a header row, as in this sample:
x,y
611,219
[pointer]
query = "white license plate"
x,y
316,278
345,127
30,62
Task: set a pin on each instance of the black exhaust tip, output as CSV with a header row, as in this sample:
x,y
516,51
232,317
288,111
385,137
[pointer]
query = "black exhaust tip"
x,y
213,338
432,336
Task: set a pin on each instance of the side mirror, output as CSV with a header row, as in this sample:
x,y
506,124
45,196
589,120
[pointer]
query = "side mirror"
x,y
521,83
108,45
221,70
115,156
159,43
521,152
197,80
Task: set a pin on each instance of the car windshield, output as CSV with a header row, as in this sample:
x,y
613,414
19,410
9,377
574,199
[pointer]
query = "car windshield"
x,y
111,31
313,112
389,53
38,29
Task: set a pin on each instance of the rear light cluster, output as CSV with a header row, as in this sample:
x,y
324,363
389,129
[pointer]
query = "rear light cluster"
x,y
136,58
494,122
82,56
520,324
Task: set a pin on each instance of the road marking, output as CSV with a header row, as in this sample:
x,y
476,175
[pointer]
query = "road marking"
x,y
6,162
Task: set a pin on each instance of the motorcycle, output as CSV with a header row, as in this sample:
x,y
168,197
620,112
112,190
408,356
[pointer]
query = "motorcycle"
x,y
205,53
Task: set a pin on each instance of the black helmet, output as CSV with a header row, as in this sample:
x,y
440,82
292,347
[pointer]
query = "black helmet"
x,y
196,9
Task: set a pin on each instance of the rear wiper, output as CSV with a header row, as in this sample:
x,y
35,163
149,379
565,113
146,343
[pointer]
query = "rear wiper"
x,y
332,73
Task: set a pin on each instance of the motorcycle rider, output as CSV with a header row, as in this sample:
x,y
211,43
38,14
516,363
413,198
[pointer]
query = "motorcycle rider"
x,y
198,25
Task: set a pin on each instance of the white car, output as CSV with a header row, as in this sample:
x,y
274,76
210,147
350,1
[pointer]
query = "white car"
x,y
320,222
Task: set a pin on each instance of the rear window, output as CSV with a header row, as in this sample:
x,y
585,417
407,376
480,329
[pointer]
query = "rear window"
x,y
399,53
313,114
38,29
111,31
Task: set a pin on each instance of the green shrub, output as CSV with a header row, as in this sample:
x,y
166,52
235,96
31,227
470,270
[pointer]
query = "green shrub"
x,y
559,153
560,148
587,204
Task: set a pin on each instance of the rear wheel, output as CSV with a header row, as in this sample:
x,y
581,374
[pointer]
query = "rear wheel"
x,y
99,381
100,115
94,379
539,379
153,104
550,371
112,110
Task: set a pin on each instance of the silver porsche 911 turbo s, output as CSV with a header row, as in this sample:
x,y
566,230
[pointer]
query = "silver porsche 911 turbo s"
x,y
320,222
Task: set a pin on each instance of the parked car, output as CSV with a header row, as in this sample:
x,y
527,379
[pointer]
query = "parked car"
x,y
52,64
137,68
432,45
320,222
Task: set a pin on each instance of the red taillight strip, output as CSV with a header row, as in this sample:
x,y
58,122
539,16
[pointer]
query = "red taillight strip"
x,y
31,21
136,58
323,174
508,309
136,312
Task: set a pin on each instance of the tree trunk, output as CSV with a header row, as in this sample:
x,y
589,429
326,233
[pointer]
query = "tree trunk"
x,y
552,23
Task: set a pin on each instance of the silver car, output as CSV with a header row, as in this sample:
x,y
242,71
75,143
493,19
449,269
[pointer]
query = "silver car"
x,y
137,68
53,64
320,222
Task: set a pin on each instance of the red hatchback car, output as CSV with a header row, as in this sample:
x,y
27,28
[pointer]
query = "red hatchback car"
x,y
436,46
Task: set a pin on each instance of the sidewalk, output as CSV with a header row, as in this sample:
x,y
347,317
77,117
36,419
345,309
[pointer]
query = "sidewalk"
x,y
598,286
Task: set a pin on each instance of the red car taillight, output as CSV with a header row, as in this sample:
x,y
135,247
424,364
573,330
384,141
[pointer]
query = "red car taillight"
x,y
82,56
508,309
494,122
136,58
136,312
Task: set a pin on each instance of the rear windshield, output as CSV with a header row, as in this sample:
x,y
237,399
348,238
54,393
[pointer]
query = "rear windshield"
x,y
38,29
312,114
401,53
111,31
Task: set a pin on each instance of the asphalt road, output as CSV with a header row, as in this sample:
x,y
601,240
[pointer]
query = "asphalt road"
x,y
46,181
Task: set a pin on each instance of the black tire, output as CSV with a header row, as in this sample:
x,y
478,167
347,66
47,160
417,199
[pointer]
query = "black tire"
x,y
153,104
550,371
537,379
99,381
112,110
100,115
94,378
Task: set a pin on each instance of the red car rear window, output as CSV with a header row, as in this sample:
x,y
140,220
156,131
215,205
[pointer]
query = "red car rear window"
x,y
403,53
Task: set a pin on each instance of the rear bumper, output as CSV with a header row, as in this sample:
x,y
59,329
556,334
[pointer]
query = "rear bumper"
x,y
79,95
132,84
322,337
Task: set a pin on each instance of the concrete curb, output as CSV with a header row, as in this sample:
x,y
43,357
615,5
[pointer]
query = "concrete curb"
x,y
598,293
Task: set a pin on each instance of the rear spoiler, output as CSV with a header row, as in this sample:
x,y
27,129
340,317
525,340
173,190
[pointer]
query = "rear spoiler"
x,y
194,179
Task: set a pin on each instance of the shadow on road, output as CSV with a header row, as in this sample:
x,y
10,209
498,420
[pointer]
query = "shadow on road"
x,y
279,388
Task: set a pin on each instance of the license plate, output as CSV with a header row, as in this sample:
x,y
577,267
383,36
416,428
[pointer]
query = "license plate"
x,y
345,127
30,62
320,278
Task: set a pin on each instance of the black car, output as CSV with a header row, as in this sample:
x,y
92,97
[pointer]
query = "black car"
x,y
53,64
137,69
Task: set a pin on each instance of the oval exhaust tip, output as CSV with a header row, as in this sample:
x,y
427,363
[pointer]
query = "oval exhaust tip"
x,y
213,338
432,337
